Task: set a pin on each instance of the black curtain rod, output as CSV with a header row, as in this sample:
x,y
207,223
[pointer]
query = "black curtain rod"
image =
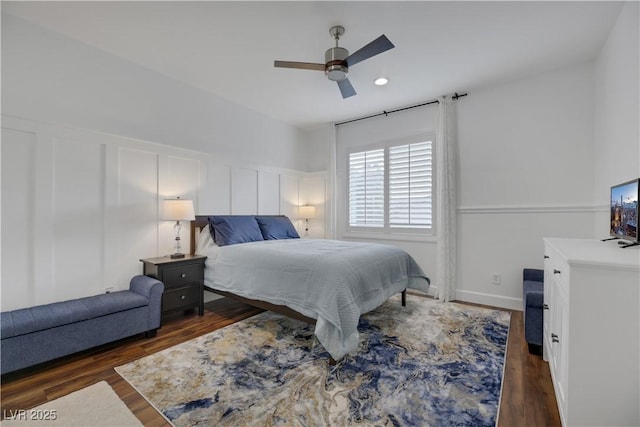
x,y
386,113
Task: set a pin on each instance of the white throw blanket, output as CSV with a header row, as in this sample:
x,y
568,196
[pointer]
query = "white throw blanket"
x,y
331,281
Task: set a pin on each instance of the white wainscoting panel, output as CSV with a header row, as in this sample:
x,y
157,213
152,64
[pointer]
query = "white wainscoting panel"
x,y
18,208
244,191
290,200
182,178
81,208
215,195
137,210
78,217
268,193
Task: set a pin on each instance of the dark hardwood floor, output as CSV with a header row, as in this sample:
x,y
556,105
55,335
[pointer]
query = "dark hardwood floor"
x,y
527,395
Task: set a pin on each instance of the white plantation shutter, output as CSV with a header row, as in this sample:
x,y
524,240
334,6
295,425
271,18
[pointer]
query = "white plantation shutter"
x,y
410,185
366,189
391,187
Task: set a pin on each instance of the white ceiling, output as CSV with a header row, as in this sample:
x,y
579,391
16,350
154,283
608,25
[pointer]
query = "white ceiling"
x,y
228,48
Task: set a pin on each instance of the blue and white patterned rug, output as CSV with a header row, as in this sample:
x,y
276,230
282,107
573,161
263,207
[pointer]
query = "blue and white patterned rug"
x,y
426,364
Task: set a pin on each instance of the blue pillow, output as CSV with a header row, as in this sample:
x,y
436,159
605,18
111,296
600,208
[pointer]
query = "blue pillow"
x,y
233,229
276,227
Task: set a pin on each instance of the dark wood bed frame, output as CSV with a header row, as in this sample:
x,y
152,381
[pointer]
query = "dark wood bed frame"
x,y
203,221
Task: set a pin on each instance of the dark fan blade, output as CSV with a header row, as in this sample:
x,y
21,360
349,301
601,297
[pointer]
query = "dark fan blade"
x,y
345,88
299,65
379,45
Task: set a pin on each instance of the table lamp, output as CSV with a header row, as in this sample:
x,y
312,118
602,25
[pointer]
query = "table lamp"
x,y
307,212
177,210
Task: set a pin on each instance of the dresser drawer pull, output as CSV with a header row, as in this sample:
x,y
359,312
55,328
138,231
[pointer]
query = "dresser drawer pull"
x,y
556,271
182,297
546,257
545,306
183,275
554,338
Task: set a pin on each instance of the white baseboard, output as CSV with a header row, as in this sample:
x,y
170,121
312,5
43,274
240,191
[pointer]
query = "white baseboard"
x,y
489,299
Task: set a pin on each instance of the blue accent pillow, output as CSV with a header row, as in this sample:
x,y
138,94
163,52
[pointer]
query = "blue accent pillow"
x,y
276,227
233,229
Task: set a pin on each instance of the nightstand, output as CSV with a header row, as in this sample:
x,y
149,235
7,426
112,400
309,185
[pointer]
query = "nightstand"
x,y
183,280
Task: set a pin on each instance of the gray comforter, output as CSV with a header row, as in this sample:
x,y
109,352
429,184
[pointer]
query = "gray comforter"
x,y
331,281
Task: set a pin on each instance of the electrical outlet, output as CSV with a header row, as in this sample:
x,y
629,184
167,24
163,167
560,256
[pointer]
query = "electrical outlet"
x,y
108,289
497,279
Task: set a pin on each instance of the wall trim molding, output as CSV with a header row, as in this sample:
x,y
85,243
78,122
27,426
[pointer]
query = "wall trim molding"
x,y
524,209
489,299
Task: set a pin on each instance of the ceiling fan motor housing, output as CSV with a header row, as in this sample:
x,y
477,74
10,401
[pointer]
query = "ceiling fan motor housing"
x,y
336,69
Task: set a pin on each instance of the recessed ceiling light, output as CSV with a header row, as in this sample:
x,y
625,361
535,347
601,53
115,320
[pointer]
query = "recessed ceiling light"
x,y
381,81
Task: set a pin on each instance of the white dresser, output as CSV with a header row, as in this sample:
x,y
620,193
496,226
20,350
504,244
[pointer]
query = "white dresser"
x,y
592,330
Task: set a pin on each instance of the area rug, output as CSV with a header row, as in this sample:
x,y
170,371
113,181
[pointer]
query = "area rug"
x,y
94,406
426,364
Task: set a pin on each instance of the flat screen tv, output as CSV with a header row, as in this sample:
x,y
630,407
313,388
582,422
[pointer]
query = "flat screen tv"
x,y
624,211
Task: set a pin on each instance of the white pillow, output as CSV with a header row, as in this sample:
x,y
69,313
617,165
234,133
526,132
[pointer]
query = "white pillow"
x,y
205,242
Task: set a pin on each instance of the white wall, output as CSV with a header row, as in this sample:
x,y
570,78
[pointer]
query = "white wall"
x,y
526,172
52,78
526,164
318,145
80,208
537,157
90,145
617,106
410,123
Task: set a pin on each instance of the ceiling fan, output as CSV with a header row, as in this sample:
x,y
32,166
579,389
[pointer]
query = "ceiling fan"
x,y
338,60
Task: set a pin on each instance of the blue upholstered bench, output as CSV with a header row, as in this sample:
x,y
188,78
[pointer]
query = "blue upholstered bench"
x,y
533,300
38,334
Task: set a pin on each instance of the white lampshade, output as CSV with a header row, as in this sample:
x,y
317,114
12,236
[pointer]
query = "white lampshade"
x,y
178,210
307,212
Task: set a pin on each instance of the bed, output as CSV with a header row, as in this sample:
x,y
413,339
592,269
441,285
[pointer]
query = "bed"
x,y
328,283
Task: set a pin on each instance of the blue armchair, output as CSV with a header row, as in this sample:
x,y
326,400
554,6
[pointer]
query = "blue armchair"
x,y
533,300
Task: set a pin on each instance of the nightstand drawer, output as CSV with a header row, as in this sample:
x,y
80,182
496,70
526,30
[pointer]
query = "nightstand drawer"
x,y
182,274
183,297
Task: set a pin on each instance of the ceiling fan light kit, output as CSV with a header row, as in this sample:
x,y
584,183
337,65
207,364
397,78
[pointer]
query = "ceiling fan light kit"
x,y
338,60
336,68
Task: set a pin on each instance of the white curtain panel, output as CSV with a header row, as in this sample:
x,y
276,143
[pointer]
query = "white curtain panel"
x,y
446,205
333,194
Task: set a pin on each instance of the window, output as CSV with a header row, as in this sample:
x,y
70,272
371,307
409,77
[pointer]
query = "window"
x,y
366,189
390,188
